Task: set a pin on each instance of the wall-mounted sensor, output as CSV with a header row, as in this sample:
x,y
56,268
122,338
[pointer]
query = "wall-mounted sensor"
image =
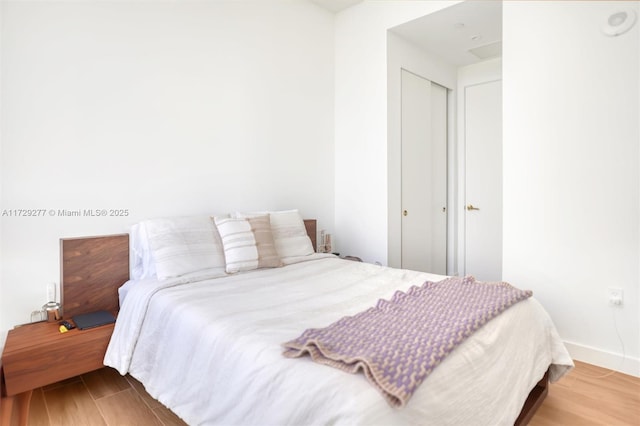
x,y
620,22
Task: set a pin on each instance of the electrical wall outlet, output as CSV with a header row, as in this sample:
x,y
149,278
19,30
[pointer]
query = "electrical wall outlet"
x,y
52,290
616,297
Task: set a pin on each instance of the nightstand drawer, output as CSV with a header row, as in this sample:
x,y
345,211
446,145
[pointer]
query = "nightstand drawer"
x,y
36,355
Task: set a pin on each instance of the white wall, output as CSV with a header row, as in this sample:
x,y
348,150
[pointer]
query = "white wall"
x,y
161,108
571,172
361,175
402,54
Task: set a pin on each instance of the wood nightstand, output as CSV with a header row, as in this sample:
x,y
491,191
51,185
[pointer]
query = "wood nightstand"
x,y
91,271
37,354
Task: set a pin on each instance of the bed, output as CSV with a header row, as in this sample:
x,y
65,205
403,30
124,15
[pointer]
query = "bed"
x,y
208,343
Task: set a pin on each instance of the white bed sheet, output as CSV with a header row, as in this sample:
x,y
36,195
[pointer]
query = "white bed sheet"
x,y
211,351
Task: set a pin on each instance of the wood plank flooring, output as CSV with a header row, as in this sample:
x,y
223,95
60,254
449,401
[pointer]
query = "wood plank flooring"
x,y
103,397
591,395
100,398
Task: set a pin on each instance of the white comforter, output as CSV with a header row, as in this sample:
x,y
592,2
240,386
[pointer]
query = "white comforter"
x,y
211,351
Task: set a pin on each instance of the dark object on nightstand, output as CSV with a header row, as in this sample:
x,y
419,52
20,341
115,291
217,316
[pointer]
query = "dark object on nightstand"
x,y
67,325
93,319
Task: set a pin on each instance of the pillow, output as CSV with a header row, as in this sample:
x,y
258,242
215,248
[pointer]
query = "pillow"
x,y
183,245
267,253
140,257
289,233
248,243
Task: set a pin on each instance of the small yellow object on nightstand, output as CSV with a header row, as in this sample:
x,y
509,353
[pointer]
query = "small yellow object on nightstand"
x,y
63,329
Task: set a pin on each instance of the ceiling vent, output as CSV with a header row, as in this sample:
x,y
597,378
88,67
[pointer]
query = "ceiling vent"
x,y
488,51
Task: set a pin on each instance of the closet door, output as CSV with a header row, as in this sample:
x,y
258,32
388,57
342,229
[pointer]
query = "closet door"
x,y
424,174
483,181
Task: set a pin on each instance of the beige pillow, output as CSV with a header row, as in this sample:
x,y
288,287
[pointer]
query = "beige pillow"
x,y
267,254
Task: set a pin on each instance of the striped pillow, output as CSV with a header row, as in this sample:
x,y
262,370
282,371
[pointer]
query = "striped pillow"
x,y
247,243
182,245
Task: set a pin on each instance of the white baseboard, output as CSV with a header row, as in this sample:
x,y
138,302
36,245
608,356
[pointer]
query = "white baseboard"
x,y
610,360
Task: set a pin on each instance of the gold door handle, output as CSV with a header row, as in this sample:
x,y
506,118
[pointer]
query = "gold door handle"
x,y
404,213
470,207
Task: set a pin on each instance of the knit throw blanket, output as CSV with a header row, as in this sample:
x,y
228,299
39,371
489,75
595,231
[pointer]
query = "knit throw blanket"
x,y
399,342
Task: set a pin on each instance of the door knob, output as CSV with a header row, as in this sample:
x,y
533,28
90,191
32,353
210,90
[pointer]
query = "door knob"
x,y
404,213
470,207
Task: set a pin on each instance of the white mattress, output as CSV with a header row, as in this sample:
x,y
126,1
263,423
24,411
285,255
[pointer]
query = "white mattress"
x,y
210,350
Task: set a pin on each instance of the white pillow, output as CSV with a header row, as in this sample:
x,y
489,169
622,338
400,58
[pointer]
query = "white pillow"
x,y
181,245
289,233
140,257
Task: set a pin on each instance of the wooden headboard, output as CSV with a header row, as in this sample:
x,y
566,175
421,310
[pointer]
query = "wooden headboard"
x,y
93,268
312,232
91,271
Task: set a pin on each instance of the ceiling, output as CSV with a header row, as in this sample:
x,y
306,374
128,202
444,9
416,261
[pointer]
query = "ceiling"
x,y
336,5
462,34
454,32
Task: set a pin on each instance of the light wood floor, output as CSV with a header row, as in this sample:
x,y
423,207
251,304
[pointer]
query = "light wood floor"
x,y
104,397
584,397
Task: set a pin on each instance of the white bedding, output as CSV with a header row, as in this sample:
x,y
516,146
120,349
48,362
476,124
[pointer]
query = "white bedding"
x,y
210,350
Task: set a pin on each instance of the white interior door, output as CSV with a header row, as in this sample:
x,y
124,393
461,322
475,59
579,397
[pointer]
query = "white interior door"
x,y
483,181
424,174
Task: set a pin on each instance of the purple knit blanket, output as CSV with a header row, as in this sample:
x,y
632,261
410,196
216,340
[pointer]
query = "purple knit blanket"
x,y
399,342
